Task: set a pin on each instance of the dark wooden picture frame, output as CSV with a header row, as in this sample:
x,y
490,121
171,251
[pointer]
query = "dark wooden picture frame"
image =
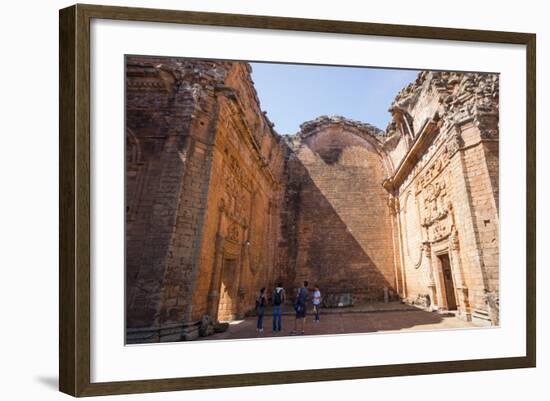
x,y
74,212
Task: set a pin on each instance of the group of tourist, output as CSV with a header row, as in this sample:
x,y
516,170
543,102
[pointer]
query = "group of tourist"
x,y
278,299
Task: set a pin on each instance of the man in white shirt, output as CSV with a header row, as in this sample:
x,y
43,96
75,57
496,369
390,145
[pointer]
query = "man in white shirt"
x,y
316,303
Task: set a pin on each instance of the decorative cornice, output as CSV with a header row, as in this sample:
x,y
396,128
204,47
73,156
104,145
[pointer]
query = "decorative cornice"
x,y
419,146
462,96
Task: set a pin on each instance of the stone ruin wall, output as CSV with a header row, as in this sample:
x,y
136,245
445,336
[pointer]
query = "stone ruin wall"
x,y
342,237
446,190
242,203
219,205
199,168
161,147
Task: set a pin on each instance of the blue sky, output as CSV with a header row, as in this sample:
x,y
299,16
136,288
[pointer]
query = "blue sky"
x,y
292,94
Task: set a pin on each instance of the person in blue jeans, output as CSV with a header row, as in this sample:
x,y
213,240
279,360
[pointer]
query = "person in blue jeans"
x,y
260,310
278,300
300,308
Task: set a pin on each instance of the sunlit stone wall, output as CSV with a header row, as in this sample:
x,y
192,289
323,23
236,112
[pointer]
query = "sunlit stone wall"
x,y
202,195
219,205
445,192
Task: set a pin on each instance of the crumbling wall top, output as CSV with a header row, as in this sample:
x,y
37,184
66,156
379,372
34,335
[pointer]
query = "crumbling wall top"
x,y
310,127
458,96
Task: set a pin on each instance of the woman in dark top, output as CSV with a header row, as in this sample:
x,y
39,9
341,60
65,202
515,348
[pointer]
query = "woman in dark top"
x,y
300,308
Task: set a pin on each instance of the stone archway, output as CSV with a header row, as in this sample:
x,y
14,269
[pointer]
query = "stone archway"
x,y
343,239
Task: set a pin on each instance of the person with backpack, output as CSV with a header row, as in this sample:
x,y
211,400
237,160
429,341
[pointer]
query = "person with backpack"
x,y
278,302
300,308
260,310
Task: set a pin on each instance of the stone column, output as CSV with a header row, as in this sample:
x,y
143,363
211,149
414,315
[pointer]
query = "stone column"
x,y
463,306
214,293
404,293
467,229
239,265
393,204
243,260
427,249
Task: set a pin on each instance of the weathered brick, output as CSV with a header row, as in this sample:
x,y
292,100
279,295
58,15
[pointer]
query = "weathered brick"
x,y
219,205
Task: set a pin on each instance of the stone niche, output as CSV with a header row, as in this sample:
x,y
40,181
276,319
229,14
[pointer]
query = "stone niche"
x,y
218,204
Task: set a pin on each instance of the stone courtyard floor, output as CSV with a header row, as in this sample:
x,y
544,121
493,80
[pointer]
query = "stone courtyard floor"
x,y
366,319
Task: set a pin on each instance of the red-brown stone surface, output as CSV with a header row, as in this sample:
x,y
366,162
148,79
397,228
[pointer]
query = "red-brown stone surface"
x,y
219,205
342,238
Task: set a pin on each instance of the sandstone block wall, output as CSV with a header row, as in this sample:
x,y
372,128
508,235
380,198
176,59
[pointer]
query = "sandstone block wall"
x,y
242,200
447,192
219,205
159,121
343,239
203,167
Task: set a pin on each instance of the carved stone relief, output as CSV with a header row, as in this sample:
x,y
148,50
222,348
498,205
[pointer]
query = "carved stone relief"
x,y
233,232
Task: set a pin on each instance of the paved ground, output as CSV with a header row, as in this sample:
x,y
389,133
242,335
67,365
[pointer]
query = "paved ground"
x,y
374,318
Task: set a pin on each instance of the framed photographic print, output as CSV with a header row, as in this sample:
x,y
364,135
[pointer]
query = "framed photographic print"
x,y
251,200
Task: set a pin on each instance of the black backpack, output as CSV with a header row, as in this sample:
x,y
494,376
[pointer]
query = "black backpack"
x,y
277,297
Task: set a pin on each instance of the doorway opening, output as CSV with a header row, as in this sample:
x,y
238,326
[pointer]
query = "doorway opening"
x,y
448,283
228,291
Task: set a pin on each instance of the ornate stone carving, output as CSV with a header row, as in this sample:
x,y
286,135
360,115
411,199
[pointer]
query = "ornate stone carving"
x,y
436,216
462,96
393,204
235,176
427,248
422,300
436,207
289,226
425,174
440,230
236,199
454,143
233,232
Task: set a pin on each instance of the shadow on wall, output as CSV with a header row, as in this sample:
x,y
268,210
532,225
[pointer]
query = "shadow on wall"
x,y
321,246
